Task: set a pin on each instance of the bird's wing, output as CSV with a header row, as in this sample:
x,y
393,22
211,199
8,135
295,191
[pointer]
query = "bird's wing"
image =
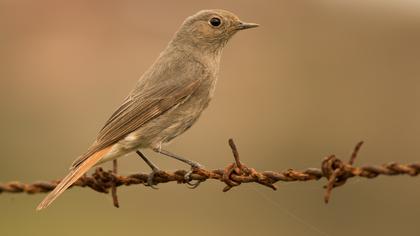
x,y
137,110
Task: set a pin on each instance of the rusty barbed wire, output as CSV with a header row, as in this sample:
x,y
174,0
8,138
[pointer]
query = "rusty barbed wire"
x,y
332,168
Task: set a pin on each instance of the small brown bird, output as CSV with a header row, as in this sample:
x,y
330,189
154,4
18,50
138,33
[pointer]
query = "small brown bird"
x,y
167,100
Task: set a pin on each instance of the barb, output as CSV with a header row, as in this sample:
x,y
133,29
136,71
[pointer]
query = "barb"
x,y
114,187
333,169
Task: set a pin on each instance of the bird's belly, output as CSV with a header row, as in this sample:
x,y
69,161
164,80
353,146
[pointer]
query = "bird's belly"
x,y
179,119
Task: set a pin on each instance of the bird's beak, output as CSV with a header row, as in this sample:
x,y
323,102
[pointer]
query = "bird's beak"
x,y
244,25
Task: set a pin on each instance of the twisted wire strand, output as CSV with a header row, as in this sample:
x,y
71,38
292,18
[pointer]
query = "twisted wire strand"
x,y
333,169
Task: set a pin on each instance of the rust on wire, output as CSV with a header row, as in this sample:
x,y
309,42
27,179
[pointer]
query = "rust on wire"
x,y
333,169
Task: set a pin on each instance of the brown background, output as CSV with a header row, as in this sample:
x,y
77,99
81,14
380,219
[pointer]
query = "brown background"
x,y
314,79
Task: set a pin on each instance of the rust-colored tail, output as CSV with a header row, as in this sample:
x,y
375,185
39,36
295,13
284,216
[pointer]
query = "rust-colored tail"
x,y
72,177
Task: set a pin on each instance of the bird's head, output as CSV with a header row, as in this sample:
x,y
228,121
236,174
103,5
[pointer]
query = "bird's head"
x,y
210,29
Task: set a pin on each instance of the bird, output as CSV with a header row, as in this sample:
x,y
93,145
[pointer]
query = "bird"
x,y
166,101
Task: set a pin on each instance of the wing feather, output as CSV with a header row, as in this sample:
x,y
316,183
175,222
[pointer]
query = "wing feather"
x,y
138,110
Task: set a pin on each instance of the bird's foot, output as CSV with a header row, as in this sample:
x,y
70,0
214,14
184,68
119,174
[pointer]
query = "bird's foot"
x,y
151,178
155,170
194,167
187,177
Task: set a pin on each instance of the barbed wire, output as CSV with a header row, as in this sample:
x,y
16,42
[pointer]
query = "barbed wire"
x,y
332,168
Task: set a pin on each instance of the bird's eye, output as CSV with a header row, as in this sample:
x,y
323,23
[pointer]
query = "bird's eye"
x,y
215,21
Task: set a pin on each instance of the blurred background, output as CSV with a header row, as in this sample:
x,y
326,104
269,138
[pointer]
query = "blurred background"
x,y
314,79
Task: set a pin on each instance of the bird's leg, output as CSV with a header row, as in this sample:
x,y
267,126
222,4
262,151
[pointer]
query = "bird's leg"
x,y
152,166
193,164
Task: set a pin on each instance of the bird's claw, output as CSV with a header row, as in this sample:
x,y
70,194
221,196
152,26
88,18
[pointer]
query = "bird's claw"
x,y
188,179
151,177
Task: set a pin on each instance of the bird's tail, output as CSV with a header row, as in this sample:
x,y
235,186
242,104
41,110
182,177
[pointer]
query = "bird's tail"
x,y
72,177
